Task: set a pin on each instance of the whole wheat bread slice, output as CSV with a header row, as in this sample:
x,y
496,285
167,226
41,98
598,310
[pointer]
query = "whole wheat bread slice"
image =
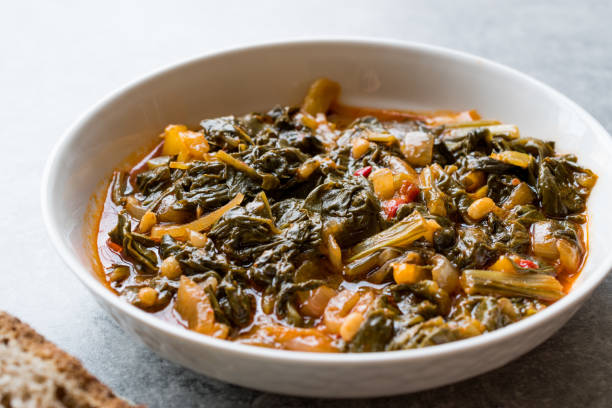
x,y
36,373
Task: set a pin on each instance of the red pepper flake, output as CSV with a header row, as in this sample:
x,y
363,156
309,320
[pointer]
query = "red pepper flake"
x,y
526,263
365,172
113,246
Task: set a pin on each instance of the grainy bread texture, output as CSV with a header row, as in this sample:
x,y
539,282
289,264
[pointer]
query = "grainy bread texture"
x,y
35,373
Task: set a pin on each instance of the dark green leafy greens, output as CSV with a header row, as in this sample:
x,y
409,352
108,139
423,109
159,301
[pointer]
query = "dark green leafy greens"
x,y
134,244
561,186
308,200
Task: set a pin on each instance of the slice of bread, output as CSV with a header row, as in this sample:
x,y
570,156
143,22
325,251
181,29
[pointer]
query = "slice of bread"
x,y
36,373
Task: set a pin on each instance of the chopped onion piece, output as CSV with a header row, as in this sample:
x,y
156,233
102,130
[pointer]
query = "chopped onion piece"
x,y
320,97
134,208
445,274
569,256
202,223
383,182
417,148
334,253
518,159
315,304
543,243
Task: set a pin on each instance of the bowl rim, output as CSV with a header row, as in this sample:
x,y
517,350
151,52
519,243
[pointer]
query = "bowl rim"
x,y
568,304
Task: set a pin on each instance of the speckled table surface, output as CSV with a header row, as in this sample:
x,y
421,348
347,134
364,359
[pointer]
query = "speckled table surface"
x,y
60,57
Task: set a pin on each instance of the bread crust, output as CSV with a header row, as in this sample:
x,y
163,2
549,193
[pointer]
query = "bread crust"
x,y
14,332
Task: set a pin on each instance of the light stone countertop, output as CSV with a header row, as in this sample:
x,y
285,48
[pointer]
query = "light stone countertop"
x,y
57,58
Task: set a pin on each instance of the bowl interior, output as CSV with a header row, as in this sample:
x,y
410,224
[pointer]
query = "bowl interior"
x,y
258,78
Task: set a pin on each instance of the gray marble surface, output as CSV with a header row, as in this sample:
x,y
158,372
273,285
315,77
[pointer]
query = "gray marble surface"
x,y
57,58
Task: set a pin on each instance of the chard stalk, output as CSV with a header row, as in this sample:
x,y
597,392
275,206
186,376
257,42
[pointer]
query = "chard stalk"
x,y
399,235
531,285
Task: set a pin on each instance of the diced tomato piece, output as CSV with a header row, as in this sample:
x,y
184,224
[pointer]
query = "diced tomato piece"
x,y
365,172
390,207
113,246
409,192
526,263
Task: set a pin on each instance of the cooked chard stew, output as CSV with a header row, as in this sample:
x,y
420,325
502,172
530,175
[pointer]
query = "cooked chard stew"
x,y
333,228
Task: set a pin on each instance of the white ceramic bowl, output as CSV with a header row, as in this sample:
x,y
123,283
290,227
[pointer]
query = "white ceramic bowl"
x,y
372,73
